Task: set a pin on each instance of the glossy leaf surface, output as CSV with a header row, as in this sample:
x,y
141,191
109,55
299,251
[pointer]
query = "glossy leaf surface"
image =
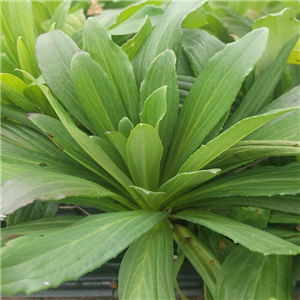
x,y
40,185
257,277
144,152
248,236
72,249
148,276
209,100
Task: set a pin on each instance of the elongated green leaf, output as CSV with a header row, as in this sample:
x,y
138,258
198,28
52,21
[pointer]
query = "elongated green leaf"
x,y
16,21
40,225
114,62
287,100
27,63
221,143
61,137
284,203
38,185
183,182
162,71
264,181
92,149
167,34
15,97
152,199
120,142
155,107
286,127
209,100
130,25
68,254
263,87
133,45
246,151
17,137
16,113
198,253
254,216
125,126
144,152
54,53
60,15
111,151
283,26
248,236
249,275
148,276
97,94
284,218
199,46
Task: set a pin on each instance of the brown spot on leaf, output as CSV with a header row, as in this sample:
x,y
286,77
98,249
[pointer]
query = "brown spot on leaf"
x,y
211,261
187,239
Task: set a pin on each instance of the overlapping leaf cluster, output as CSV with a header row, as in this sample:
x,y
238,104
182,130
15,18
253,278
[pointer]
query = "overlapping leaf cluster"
x,y
163,135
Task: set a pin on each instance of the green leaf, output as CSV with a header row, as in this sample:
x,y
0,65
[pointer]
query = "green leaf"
x,y
17,137
133,45
60,136
287,100
16,21
16,113
248,236
27,63
285,127
246,7
92,149
162,72
263,181
167,34
111,151
66,254
125,126
155,107
152,199
282,203
224,141
184,182
60,15
247,151
195,19
54,53
98,95
38,185
131,24
199,254
263,87
209,100
249,275
120,143
12,89
284,218
199,46
148,276
40,225
283,26
254,216
115,64
144,152
31,212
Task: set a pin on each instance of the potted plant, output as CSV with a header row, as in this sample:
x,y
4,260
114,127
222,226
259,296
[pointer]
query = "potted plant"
x,y
172,136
